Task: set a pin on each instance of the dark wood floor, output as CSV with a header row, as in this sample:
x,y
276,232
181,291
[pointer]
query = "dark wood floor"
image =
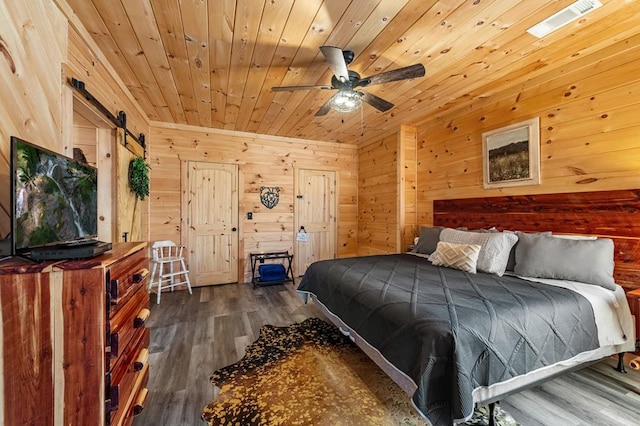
x,y
191,336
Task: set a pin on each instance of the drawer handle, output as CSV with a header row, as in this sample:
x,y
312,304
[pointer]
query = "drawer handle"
x,y
141,399
142,359
142,317
114,292
139,276
114,345
114,398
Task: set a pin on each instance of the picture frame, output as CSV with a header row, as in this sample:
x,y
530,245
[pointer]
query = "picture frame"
x,y
511,155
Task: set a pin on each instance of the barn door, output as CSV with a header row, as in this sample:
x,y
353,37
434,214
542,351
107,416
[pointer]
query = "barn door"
x,y
129,207
212,223
315,217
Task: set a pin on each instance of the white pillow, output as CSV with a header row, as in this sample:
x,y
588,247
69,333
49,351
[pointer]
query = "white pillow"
x,y
576,237
458,256
494,247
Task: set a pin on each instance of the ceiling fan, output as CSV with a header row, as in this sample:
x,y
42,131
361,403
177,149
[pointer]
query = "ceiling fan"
x,y
346,81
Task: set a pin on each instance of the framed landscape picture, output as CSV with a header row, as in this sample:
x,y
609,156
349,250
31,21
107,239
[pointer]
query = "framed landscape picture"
x,y
511,155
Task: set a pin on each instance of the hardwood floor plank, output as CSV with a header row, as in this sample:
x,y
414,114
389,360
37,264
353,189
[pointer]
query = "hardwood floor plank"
x,y
193,335
175,399
591,396
241,345
200,389
161,337
204,329
227,328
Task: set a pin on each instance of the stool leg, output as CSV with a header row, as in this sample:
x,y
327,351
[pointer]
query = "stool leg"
x,y
153,274
186,275
173,278
160,279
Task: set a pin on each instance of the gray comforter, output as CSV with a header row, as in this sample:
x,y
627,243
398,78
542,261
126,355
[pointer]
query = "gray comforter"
x,y
451,331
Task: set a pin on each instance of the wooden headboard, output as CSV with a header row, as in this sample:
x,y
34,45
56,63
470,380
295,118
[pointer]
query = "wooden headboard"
x,y
611,214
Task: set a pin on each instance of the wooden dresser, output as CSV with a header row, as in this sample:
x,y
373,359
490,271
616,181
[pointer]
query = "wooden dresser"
x,y
73,341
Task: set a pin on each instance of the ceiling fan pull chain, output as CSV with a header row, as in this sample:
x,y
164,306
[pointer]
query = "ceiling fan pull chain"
x,y
361,121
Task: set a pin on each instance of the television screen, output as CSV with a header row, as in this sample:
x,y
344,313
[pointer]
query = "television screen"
x,y
54,198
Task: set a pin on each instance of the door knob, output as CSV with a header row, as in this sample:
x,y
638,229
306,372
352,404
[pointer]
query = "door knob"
x,y
233,229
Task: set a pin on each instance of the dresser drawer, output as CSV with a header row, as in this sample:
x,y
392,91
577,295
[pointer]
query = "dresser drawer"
x,y
127,376
124,277
137,403
129,320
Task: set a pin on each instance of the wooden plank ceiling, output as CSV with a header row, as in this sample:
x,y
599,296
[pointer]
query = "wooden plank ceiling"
x,y
212,63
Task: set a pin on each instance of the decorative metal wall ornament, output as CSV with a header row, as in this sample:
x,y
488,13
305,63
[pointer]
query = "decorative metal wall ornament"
x,y
269,196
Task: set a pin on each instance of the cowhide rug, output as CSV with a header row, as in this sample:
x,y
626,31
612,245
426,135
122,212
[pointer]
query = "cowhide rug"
x,y
311,374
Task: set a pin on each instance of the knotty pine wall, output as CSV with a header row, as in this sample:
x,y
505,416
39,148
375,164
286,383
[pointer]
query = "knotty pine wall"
x,y
262,161
33,45
378,208
589,131
85,62
387,193
408,181
41,46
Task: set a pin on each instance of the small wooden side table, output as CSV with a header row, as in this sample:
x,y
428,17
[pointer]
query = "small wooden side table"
x,y
633,297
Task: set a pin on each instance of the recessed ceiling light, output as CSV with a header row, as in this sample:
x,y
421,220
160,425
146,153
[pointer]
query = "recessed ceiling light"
x,y
565,16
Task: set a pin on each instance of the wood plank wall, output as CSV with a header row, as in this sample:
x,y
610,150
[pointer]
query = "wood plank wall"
x,y
262,161
378,196
589,125
86,63
43,45
408,184
33,44
387,193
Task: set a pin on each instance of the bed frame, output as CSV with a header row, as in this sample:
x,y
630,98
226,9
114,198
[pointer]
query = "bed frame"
x,y
611,214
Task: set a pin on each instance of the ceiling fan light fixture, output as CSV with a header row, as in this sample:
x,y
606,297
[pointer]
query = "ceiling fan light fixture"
x,y
345,101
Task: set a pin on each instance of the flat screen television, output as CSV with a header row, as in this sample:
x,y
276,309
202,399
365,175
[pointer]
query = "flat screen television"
x,y
54,198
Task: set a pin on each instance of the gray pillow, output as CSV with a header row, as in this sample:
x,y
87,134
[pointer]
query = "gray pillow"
x,y
428,240
495,247
512,255
586,261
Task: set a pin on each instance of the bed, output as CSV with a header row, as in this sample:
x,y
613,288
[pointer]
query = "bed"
x,y
453,336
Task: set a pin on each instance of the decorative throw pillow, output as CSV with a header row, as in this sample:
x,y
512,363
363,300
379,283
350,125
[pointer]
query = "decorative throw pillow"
x,y
457,256
511,263
428,240
586,261
494,247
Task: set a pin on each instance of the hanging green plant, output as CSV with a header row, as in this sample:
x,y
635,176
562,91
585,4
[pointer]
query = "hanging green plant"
x,y
139,177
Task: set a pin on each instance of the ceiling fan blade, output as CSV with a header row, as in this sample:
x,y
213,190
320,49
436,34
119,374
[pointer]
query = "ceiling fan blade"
x,y
335,59
405,73
375,101
324,109
294,88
